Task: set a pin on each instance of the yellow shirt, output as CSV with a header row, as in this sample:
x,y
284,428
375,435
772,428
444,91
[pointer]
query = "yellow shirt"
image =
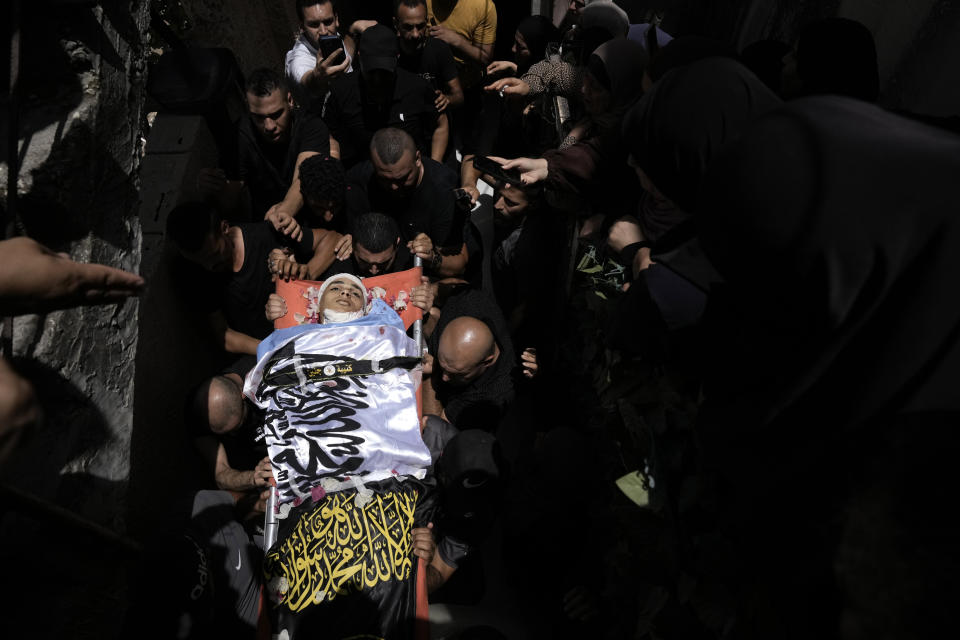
x,y
475,20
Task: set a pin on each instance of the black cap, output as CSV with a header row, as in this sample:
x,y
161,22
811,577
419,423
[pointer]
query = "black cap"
x,y
378,49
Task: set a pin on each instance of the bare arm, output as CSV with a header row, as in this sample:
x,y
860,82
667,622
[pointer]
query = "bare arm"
x,y
431,406
454,92
34,279
441,135
230,340
438,572
479,53
327,246
317,80
443,266
468,178
226,477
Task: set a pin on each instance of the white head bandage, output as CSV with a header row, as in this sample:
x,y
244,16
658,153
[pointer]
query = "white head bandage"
x,y
332,315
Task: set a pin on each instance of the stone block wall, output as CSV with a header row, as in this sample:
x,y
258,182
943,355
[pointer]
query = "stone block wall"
x,y
82,73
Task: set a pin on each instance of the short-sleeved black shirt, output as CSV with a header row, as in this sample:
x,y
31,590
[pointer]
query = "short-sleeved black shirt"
x,y
434,63
429,208
353,119
480,404
268,169
244,294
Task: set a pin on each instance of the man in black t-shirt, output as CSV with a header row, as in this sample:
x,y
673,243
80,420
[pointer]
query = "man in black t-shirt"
x,y
380,95
429,58
237,259
228,431
415,191
473,365
272,142
377,249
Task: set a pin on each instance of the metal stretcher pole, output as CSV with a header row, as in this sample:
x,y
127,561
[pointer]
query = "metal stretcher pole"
x,y
418,324
270,520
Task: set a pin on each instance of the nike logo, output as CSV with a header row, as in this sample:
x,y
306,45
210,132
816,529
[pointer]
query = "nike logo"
x,y
239,561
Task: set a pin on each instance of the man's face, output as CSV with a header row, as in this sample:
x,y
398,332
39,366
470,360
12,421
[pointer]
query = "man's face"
x,y
216,253
342,295
411,25
319,20
576,6
511,204
326,210
400,178
271,115
459,372
373,264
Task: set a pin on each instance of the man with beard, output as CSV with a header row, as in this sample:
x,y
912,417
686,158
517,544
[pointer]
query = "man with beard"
x,y
309,71
427,57
415,191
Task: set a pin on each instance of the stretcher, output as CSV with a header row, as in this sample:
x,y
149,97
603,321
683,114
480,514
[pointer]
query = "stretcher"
x,y
343,433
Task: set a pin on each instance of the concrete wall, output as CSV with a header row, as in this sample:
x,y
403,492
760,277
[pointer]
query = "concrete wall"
x,y
259,32
83,70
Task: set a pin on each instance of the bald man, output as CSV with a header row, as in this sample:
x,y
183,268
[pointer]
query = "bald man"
x,y
228,431
474,362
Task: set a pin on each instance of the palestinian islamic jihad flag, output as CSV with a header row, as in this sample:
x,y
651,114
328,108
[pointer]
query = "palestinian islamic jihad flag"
x,y
343,566
340,402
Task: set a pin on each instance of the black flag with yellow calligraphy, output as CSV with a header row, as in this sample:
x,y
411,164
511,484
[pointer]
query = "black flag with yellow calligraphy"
x,y
344,568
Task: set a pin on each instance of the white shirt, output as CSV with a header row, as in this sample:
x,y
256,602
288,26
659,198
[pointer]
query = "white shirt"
x,y
303,57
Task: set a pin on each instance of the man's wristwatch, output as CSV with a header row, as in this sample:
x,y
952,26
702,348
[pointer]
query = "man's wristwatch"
x,y
436,260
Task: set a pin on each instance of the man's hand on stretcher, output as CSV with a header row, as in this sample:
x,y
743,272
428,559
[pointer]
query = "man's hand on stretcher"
x,y
276,307
424,294
283,264
263,479
424,545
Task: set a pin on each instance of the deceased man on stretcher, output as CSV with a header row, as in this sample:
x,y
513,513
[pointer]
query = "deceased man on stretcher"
x,y
350,465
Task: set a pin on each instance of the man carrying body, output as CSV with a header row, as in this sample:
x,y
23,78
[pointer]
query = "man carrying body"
x,y
323,185
377,248
228,431
472,370
415,191
272,142
237,256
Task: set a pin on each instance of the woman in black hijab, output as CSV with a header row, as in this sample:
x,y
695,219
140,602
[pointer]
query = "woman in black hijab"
x,y
836,56
831,418
672,135
533,35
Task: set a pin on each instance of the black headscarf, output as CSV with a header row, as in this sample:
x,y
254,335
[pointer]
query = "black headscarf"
x,y
831,415
618,66
838,56
685,118
537,32
685,50
847,220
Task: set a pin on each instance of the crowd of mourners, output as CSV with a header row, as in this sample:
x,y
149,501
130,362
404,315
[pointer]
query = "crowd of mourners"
x,y
696,306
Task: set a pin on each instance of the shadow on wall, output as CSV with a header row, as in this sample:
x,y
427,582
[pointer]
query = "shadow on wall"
x,y
79,188
57,59
174,354
50,567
